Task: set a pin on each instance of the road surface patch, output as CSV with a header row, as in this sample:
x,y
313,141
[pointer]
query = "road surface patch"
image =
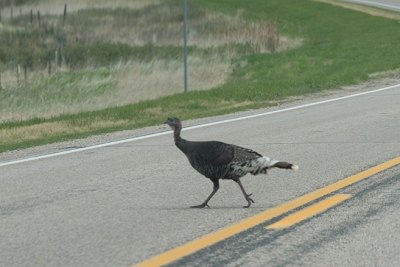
x,y
208,240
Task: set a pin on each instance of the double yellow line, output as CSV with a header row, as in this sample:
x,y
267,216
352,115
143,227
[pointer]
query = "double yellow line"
x,y
308,212
213,238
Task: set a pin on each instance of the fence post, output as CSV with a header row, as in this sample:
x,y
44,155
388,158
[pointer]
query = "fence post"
x,y
18,72
56,58
11,13
38,14
0,14
25,73
49,60
31,16
65,14
63,45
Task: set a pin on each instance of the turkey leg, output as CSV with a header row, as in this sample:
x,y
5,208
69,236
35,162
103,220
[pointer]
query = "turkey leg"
x,y
246,196
215,189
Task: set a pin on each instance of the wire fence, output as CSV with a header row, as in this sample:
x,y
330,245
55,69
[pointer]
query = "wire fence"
x,y
18,74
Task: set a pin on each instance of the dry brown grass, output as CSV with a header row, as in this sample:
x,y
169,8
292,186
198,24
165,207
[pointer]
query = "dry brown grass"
x,y
236,30
230,105
8,79
205,28
33,132
385,74
136,81
133,82
143,81
56,7
211,29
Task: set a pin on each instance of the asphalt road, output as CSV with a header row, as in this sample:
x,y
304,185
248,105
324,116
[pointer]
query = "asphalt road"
x,y
119,205
385,4
122,204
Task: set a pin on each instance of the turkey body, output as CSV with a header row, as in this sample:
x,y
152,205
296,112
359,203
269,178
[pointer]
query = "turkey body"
x,y
217,160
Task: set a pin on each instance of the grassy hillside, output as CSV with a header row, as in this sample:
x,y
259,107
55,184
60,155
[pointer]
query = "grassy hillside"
x,y
338,47
139,46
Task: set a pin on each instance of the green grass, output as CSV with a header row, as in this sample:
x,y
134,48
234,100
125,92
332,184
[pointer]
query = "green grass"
x,y
340,47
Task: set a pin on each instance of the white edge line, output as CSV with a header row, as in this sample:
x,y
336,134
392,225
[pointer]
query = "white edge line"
x,y
191,127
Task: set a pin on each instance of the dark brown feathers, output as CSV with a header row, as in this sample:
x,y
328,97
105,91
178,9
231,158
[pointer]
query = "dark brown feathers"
x,y
217,160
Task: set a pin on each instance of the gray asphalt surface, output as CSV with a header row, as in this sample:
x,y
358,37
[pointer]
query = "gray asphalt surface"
x,y
385,4
120,205
362,231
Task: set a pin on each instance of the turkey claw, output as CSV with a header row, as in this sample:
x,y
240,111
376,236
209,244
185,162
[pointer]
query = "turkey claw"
x,y
249,200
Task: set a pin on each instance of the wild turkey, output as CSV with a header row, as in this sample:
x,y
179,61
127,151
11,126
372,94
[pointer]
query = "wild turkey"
x,y
217,160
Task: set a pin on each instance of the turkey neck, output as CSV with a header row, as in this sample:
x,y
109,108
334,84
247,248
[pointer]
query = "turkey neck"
x,y
179,142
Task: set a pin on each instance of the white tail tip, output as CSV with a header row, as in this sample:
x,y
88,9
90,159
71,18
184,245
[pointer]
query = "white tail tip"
x,y
295,167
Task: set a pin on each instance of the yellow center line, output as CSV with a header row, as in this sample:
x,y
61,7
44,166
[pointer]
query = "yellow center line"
x,y
308,212
229,231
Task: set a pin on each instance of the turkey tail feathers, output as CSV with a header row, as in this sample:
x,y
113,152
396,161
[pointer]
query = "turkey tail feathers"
x,y
261,165
285,165
268,163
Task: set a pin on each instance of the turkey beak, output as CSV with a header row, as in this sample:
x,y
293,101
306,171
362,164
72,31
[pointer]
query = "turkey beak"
x,y
166,122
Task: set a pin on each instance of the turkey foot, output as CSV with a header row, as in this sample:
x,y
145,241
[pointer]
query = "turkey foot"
x,y
249,200
215,189
200,206
246,196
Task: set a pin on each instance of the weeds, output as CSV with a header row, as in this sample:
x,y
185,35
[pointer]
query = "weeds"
x,y
100,37
6,3
62,93
338,47
126,41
